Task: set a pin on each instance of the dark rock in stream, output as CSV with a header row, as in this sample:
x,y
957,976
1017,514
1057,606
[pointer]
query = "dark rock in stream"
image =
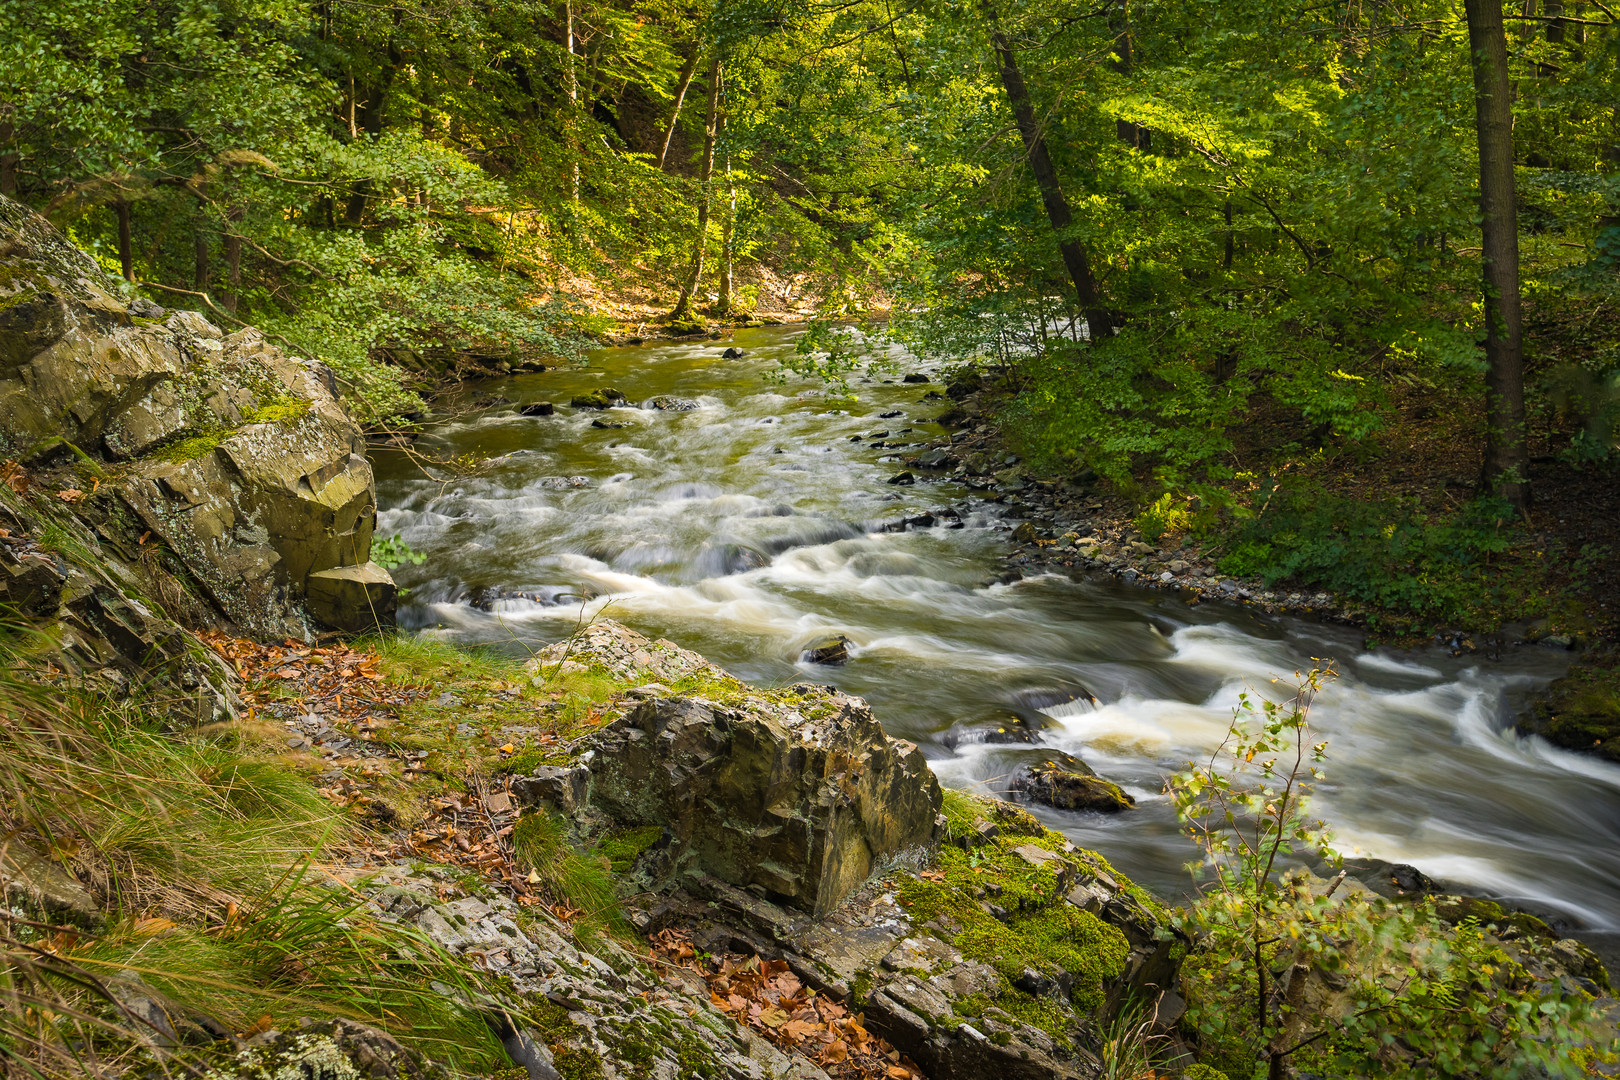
x,y
1074,788
832,652
903,479
609,425
733,353
538,408
672,404
915,377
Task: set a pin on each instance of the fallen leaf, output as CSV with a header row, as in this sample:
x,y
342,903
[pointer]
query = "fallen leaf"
x,y
70,494
773,1018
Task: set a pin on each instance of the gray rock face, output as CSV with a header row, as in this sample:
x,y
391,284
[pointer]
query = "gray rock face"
x,y
806,808
235,459
797,791
607,1008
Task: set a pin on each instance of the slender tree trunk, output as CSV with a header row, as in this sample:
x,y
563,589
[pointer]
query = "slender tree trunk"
x,y
573,96
233,260
687,70
1506,467
126,258
683,307
8,160
728,232
201,273
1098,322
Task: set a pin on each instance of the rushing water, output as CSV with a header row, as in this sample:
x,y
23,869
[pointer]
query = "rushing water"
x,y
749,527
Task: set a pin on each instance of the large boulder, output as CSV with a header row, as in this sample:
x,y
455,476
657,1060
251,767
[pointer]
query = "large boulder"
x,y
215,460
798,791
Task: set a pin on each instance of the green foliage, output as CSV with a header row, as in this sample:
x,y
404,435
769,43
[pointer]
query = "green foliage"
x,y
1418,998
391,552
580,881
1384,553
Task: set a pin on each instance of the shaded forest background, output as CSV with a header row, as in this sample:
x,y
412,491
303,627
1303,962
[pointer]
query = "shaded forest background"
x,y
1226,257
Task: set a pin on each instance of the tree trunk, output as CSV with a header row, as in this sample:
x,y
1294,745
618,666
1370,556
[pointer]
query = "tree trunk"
x,y
1506,466
1124,58
573,97
8,161
201,273
1098,323
683,307
126,259
687,69
728,233
233,261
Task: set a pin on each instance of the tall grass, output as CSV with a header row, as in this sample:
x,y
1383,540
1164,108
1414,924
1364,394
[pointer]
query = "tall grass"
x,y
202,854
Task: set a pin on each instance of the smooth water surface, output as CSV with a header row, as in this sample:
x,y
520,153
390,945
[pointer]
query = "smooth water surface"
x,y
748,528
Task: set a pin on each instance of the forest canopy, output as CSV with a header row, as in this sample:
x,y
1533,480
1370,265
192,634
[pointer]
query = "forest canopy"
x,y
1170,218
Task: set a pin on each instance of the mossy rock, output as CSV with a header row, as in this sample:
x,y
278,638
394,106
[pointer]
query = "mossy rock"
x,y
1074,788
603,398
1581,712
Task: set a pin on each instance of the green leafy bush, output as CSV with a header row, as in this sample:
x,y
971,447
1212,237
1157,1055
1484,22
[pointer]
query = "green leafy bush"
x,y
1386,553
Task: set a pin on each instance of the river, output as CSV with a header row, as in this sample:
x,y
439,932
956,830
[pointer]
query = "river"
x,y
749,527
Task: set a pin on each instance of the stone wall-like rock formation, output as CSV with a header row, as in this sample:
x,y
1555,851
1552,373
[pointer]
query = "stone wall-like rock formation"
x,y
212,475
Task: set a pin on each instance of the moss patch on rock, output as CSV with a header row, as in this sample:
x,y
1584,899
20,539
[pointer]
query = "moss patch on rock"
x,y
1581,712
998,905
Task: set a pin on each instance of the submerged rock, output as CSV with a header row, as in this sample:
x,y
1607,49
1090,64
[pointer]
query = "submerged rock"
x,y
1073,788
672,404
733,353
538,408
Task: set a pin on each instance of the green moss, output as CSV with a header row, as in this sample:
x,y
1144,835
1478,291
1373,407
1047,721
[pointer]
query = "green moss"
x,y
1582,712
621,849
278,410
1039,931
695,1060
571,1059
1200,1071
191,448
524,761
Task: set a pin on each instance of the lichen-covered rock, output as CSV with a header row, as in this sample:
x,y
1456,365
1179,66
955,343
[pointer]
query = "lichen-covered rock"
x,y
354,598
600,1012
331,1050
220,464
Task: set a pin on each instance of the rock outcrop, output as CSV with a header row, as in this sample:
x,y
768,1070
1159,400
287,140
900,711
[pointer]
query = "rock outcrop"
x,y
792,828
217,478
798,792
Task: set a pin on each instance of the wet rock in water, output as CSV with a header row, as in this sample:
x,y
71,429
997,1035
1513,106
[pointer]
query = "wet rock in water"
x,y
1073,788
603,398
538,408
890,415
722,560
915,377
936,459
903,479
829,651
563,483
1025,533
672,404
1410,878
609,425
733,353
964,384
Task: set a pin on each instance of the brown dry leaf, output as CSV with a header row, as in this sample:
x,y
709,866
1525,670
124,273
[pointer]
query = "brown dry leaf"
x,y
833,1052
70,495
798,1029
773,1018
898,1072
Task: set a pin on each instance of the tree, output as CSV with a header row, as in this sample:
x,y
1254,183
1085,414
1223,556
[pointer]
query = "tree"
x,y
1507,458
